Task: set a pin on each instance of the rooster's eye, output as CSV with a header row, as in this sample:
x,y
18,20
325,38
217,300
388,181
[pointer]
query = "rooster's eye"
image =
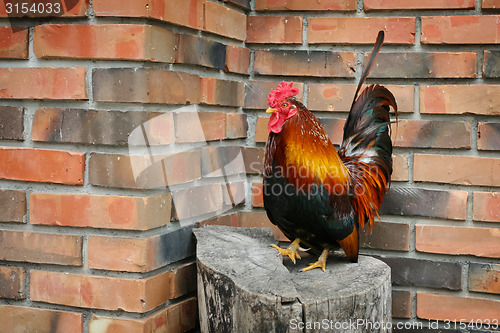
x,y
285,105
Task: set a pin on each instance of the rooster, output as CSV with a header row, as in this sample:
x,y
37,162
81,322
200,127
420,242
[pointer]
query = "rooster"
x,y
320,197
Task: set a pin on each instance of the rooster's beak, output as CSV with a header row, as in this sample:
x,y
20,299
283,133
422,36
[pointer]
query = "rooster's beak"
x,y
270,110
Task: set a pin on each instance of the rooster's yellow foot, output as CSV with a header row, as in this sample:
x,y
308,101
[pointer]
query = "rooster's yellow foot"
x,y
321,263
291,251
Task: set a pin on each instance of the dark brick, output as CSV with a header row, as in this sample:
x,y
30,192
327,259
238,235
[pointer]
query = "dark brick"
x,y
175,245
256,93
491,65
424,65
424,273
12,282
401,304
420,202
143,172
11,123
102,127
13,203
245,4
432,134
488,136
236,125
196,50
237,59
484,278
386,236
222,161
145,85
254,159
305,63
222,92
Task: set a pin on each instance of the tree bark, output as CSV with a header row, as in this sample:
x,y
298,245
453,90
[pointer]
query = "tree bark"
x,y
245,286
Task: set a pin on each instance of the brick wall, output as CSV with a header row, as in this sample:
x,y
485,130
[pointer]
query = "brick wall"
x,y
96,218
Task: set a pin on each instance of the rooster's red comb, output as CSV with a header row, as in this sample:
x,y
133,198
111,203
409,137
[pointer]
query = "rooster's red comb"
x,y
279,94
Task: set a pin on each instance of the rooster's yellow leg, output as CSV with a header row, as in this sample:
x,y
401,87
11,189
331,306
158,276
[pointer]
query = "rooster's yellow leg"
x,y
321,263
291,251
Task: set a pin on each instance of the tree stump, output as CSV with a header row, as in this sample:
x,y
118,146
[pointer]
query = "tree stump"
x,y
244,285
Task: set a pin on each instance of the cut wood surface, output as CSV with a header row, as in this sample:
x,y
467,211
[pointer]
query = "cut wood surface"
x,y
245,286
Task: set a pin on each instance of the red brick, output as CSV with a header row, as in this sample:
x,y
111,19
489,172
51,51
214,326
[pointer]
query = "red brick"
x,y
41,165
463,170
224,21
460,29
257,195
112,293
455,308
236,125
338,97
361,30
144,171
72,8
256,93
123,42
261,131
432,134
490,4
422,4
400,168
386,236
348,5
305,63
13,44
198,200
274,29
486,206
222,92
480,242
100,211
187,13
145,85
44,83
12,282
228,220
41,248
13,203
200,126
237,59
484,278
28,319
178,317
425,65
141,254
488,136
122,254
234,193
455,99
